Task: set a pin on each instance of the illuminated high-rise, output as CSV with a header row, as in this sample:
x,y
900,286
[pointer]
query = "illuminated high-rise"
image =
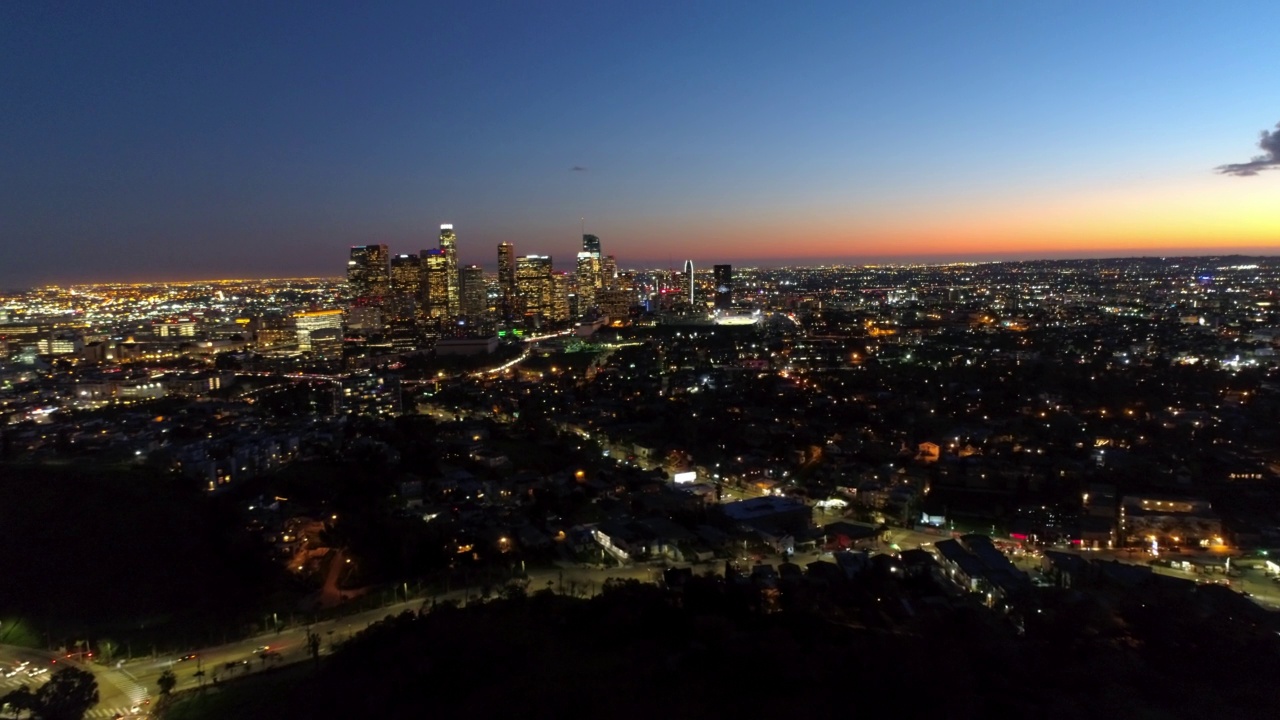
x,y
688,272
449,246
475,291
406,284
435,283
533,284
588,280
591,244
616,302
507,281
724,287
608,271
368,273
558,307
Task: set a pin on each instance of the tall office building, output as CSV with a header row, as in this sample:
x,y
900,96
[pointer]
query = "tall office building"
x,y
435,283
449,246
367,272
588,280
507,281
406,284
533,284
591,244
608,271
475,292
559,305
724,287
616,302
688,274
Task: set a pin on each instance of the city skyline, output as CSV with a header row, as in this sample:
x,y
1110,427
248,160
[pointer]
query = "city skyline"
x,y
187,143
231,465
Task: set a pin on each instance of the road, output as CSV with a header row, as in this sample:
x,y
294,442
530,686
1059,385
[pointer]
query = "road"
x,y
117,694
289,644
120,689
1251,580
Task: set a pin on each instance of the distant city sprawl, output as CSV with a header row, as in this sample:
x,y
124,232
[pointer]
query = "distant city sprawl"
x,y
311,451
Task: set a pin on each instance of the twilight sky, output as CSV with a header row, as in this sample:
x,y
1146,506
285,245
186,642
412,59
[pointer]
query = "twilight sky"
x,y
180,140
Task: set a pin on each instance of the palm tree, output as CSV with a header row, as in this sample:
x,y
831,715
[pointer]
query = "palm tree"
x,y
166,682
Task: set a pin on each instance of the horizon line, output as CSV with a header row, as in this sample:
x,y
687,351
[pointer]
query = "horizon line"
x,y
753,264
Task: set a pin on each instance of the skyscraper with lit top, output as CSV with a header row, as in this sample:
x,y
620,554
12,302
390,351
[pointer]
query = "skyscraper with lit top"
x,y
406,284
449,246
534,285
475,295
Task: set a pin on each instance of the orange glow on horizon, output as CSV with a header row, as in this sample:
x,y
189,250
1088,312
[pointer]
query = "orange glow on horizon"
x,y
1203,216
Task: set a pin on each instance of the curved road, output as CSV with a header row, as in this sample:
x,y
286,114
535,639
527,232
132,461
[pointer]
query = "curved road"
x,y
128,685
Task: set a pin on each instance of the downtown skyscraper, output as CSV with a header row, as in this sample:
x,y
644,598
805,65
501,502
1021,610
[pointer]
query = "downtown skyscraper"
x,y
589,273
475,295
368,273
449,246
406,285
435,283
534,286
588,280
723,275
509,295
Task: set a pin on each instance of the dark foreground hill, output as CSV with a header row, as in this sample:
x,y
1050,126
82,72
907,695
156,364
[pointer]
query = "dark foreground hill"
x,y
636,652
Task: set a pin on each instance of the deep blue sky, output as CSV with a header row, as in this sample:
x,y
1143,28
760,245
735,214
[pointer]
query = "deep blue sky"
x,y
152,140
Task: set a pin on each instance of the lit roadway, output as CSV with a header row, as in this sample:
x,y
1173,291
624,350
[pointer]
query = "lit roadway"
x,y
126,686
117,693
1248,578
121,688
289,644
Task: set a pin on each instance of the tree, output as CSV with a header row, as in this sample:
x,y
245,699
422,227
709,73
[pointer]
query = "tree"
x,y
313,645
18,700
68,695
166,682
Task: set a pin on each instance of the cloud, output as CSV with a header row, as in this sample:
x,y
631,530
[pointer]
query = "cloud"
x,y
577,168
1269,160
